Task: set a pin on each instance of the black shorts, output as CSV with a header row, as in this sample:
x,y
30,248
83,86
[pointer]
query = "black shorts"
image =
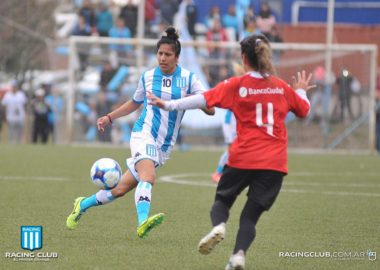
x,y
264,185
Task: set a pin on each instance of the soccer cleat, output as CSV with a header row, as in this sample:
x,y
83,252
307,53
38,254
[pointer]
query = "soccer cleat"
x,y
207,243
73,219
215,177
148,224
236,262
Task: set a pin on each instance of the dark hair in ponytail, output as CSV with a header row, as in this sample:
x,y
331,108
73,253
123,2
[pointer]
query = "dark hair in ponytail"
x,y
172,39
257,49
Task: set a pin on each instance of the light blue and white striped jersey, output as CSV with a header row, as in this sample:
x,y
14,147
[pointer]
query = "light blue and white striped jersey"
x,y
162,125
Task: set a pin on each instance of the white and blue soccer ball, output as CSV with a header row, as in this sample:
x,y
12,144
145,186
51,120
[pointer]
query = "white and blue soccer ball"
x,y
105,173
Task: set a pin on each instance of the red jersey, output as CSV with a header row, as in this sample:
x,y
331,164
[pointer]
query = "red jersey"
x,y
260,106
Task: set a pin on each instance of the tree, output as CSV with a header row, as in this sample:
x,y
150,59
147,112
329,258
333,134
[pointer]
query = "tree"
x,y
26,32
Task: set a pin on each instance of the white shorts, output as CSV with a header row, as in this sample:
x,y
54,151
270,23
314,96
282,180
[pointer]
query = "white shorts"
x,y
143,146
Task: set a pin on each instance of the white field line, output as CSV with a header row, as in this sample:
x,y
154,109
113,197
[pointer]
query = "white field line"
x,y
35,178
185,179
329,184
335,173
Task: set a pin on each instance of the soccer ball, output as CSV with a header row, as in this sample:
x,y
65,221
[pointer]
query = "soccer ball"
x,y
105,173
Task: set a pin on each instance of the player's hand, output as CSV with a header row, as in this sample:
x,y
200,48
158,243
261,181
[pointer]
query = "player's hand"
x,y
102,122
301,81
155,101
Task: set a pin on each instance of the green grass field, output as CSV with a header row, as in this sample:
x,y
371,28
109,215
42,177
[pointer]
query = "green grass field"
x,y
329,203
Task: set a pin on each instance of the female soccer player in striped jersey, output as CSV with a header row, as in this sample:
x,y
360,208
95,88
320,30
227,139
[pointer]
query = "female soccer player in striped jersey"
x,y
153,135
258,156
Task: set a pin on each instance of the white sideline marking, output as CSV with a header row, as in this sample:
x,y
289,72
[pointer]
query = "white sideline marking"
x,y
38,178
182,179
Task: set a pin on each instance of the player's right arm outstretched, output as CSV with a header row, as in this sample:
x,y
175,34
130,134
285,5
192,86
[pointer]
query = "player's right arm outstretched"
x,y
125,109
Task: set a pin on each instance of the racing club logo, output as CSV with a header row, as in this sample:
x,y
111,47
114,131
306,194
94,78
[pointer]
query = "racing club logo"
x,y
31,237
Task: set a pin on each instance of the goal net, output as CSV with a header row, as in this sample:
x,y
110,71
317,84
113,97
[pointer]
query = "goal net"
x,y
104,72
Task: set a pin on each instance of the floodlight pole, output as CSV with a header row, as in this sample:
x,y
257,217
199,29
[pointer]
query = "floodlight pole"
x,y
140,33
329,39
328,55
372,104
70,95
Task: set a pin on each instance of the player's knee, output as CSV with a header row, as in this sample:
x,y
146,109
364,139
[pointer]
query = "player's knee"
x,y
148,177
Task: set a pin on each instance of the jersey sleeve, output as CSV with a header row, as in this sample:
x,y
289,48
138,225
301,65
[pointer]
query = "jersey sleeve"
x,y
222,95
196,86
298,101
139,95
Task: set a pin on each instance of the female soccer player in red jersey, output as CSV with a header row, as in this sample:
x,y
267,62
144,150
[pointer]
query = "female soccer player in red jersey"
x,y
258,156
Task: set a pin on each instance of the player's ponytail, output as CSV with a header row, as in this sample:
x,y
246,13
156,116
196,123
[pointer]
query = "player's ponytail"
x,y
257,50
172,39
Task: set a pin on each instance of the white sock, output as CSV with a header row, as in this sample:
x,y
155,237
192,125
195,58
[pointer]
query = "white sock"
x,y
143,195
104,196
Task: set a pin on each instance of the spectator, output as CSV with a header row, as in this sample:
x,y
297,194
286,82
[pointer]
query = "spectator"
x,y
248,16
104,20
217,33
320,98
120,31
106,74
251,29
57,104
168,9
266,19
230,20
213,16
88,13
81,29
191,17
241,7
150,15
14,102
41,110
344,81
274,36
129,14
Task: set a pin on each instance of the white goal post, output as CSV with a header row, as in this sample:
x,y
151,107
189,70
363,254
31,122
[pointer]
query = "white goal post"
x,y
140,44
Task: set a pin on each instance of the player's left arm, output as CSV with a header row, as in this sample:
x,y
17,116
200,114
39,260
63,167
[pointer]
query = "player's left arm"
x,y
209,111
220,96
198,88
298,101
187,103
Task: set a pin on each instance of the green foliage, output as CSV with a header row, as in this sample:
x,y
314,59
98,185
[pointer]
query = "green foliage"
x,y
328,203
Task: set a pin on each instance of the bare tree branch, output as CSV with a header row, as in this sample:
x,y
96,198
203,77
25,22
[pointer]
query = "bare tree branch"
x,y
26,27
